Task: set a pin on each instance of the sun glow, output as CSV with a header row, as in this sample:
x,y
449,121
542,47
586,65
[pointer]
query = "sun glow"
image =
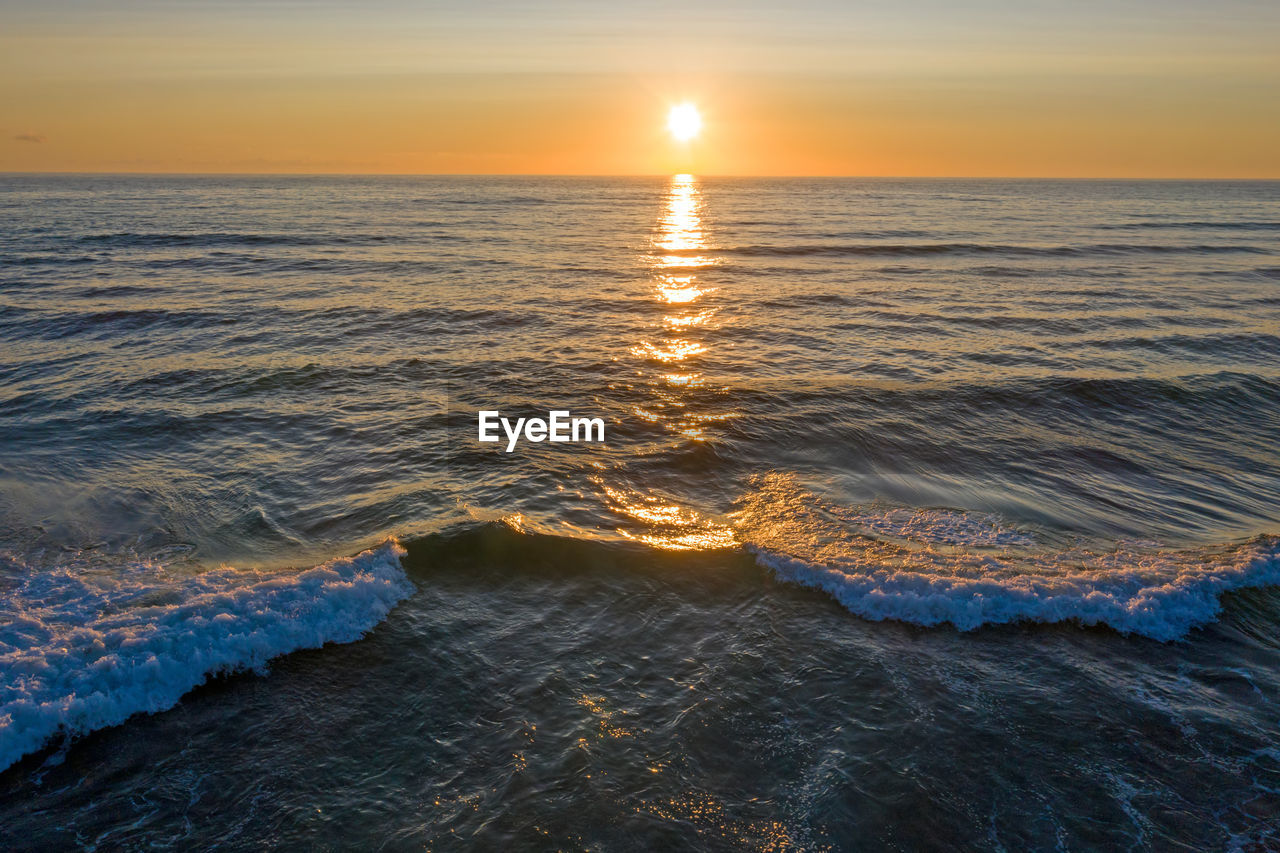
x,y
684,122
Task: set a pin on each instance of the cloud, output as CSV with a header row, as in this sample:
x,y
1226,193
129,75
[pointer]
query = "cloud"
x,y
31,137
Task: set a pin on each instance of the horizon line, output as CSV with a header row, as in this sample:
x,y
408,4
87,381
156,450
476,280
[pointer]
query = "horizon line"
x,y
638,175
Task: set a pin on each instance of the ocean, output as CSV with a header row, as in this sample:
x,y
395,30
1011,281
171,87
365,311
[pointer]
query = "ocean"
x,y
930,514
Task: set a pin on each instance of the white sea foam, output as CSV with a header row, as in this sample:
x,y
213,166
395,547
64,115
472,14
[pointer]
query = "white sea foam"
x,y
934,526
80,650
1161,594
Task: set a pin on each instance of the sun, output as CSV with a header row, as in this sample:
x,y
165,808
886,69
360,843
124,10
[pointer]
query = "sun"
x,y
684,122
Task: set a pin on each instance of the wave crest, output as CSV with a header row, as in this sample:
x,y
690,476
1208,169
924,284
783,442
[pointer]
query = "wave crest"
x,y
966,571
82,650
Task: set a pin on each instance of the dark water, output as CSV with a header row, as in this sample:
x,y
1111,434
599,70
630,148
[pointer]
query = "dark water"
x,y
931,514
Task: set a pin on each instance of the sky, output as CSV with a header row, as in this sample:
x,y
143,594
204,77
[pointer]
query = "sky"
x,y
1033,88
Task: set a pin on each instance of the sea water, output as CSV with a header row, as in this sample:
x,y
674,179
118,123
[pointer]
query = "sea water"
x,y
930,514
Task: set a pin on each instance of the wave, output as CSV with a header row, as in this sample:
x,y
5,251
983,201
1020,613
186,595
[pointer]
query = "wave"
x,y
1200,224
1218,398
923,566
103,324
1161,597
162,240
924,249
98,324
1133,588
82,649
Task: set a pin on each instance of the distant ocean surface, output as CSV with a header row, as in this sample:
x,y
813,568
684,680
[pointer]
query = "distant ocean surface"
x,y
932,514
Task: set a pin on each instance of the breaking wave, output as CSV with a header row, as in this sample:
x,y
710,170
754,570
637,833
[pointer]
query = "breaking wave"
x,y
939,567
82,649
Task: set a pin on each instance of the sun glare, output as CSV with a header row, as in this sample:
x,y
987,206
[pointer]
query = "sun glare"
x,y
684,122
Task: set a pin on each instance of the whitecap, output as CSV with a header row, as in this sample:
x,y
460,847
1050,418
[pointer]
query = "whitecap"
x,y
81,650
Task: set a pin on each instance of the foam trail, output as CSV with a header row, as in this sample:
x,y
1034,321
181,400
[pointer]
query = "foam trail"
x,y
83,650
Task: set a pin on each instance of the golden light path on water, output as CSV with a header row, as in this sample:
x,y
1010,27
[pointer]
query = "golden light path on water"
x,y
679,252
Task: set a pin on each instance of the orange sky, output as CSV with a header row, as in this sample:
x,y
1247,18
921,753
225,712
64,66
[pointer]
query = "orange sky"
x,y
1084,90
